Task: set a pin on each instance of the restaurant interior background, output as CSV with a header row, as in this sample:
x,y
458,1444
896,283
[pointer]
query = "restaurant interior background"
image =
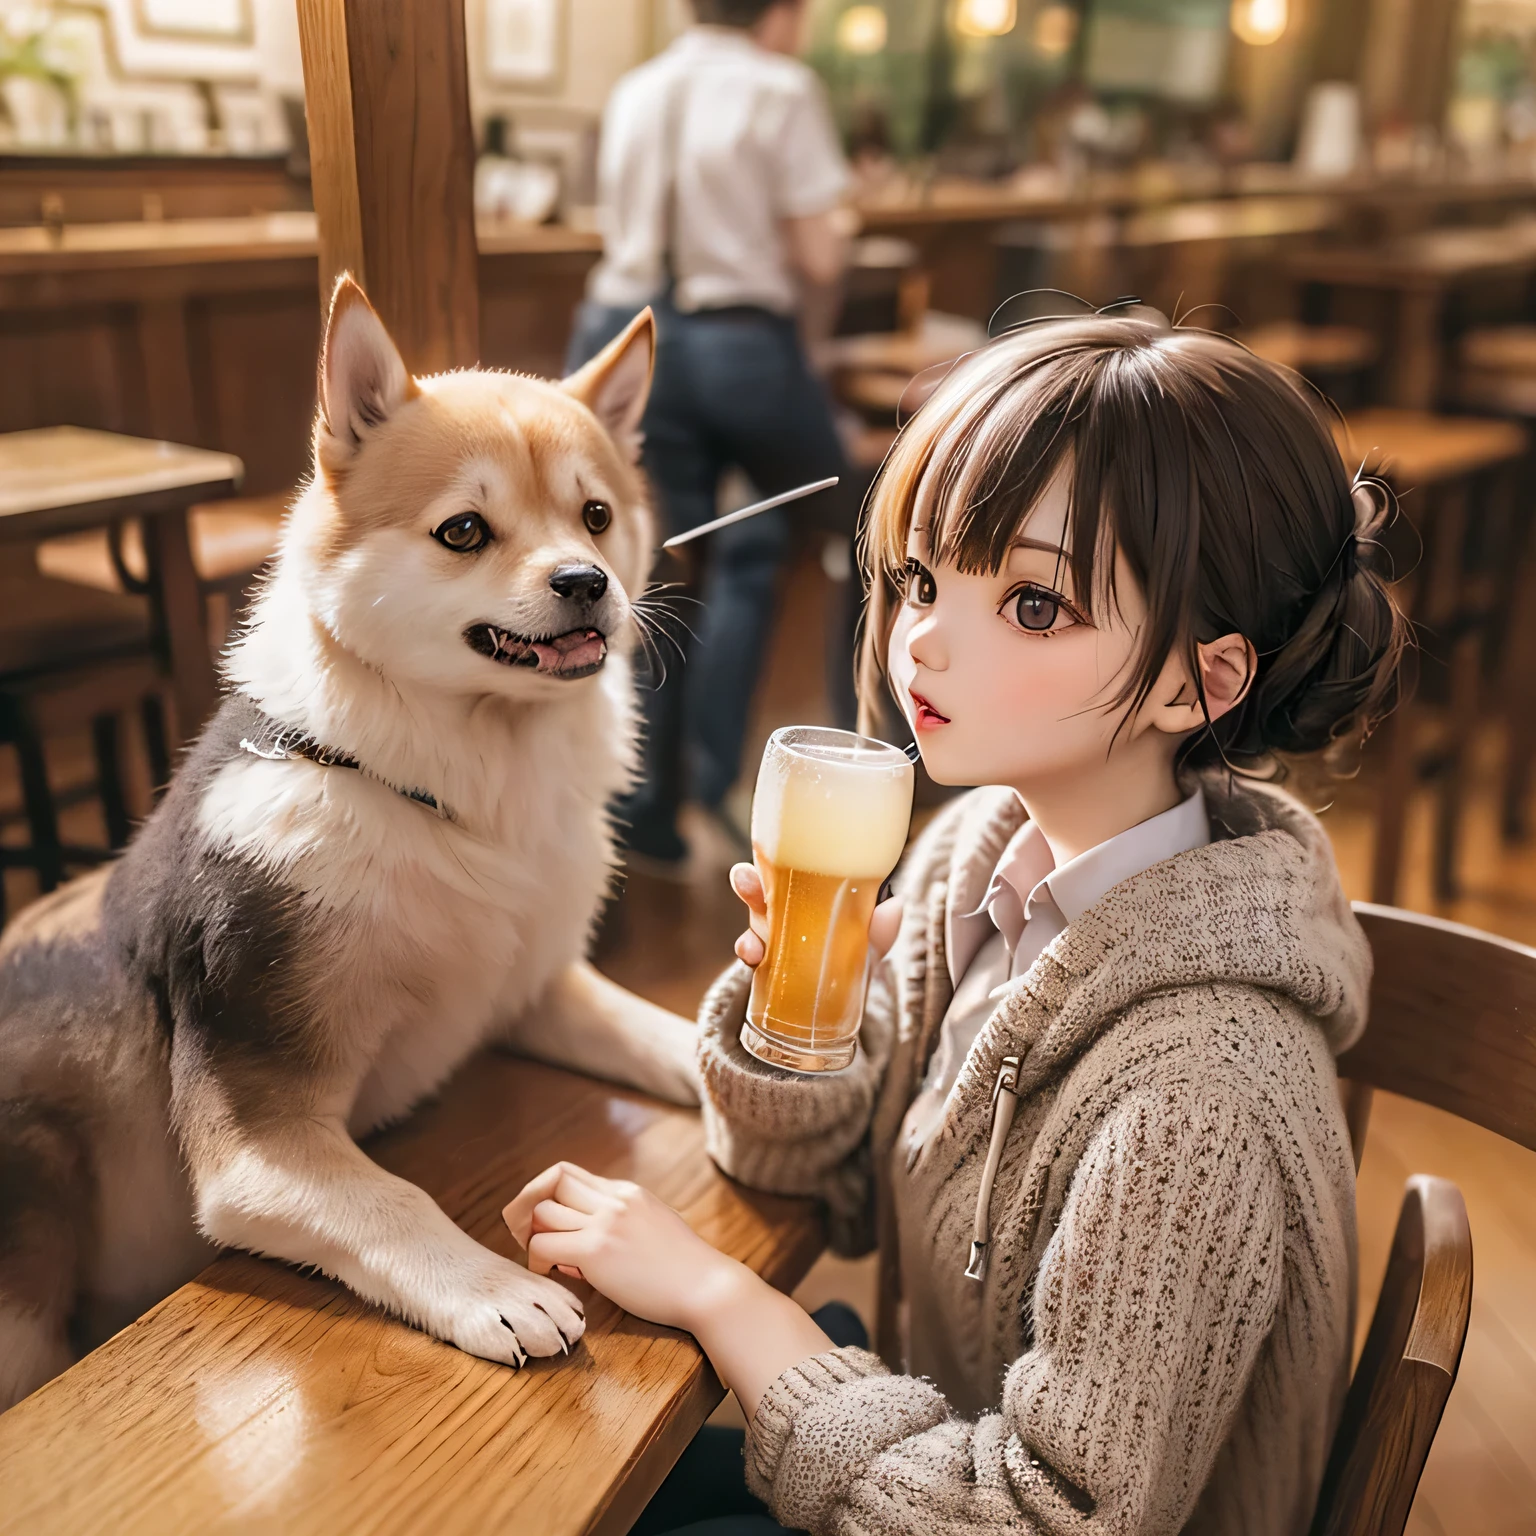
x,y
1348,185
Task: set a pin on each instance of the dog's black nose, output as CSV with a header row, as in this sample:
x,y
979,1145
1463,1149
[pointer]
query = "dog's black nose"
x,y
583,582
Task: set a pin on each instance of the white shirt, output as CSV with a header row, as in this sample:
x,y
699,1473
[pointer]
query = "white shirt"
x,y
754,144
1028,902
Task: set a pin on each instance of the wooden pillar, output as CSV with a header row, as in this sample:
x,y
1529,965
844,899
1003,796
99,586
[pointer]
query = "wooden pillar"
x,y
392,160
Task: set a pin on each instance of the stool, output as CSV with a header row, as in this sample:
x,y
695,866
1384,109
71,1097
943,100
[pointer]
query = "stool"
x,y
1456,464
32,709
71,660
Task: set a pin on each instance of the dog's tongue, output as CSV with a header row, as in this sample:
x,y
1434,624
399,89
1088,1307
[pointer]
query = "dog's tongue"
x,y
566,653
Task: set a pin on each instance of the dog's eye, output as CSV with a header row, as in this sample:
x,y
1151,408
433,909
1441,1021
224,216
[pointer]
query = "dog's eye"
x,y
463,534
596,515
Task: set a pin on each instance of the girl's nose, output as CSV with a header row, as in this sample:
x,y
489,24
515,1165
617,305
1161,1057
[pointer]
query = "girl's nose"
x,y
926,644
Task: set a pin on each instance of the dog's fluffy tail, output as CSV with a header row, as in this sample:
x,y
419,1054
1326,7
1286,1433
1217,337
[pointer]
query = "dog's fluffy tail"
x,y
44,1195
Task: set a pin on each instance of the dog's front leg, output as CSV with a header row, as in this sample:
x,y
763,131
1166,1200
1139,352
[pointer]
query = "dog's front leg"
x,y
593,1025
302,1190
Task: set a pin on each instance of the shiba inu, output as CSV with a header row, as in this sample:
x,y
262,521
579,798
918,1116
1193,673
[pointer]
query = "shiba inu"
x,y
385,851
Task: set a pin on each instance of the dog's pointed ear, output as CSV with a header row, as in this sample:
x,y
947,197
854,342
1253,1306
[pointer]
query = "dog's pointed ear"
x,y
363,379
617,382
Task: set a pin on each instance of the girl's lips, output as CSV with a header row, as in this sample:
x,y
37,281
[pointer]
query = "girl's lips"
x,y
926,717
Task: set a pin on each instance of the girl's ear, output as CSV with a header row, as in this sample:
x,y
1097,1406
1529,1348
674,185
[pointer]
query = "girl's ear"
x,y
1227,669
614,386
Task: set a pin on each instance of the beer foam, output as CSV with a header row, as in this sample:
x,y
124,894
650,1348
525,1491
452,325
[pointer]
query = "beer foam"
x,y
829,806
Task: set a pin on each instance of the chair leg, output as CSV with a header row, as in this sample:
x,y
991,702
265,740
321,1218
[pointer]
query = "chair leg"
x,y
152,714
1519,689
1398,778
47,852
1465,679
109,779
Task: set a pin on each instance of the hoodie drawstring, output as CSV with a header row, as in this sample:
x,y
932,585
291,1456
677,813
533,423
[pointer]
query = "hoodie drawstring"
x,y
1005,1099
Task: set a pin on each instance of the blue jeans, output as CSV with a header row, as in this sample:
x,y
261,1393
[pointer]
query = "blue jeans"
x,y
705,1494
731,388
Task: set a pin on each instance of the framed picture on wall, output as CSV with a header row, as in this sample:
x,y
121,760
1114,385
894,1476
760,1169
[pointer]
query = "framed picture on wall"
x,y
226,21
524,40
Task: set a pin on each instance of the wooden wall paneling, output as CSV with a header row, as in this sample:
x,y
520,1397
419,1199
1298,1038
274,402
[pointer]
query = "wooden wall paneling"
x,y
392,160
64,366
527,308
169,394
257,353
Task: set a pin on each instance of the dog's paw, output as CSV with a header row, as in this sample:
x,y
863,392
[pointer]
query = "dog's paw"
x,y
507,1314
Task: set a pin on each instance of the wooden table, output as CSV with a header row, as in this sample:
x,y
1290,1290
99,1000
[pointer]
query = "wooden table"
x,y
63,479
1419,271
257,1399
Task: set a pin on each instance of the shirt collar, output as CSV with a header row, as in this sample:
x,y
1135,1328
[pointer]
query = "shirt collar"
x,y
1026,875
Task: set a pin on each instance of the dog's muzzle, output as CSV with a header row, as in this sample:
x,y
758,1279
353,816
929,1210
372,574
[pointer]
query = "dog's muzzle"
x,y
576,653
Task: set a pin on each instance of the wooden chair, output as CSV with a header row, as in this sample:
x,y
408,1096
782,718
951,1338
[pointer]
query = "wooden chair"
x,y
231,542
1453,1024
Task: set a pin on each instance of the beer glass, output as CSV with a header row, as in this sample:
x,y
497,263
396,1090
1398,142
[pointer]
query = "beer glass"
x,y
829,821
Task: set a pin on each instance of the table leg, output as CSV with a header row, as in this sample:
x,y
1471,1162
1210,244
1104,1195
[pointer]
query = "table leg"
x,y
180,621
1415,375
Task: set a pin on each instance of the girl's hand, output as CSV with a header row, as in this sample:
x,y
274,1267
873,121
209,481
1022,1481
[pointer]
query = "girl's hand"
x,y
640,1253
753,944
622,1240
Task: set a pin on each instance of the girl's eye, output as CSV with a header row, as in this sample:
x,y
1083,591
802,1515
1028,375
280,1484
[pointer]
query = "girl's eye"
x,y
463,534
1037,609
918,585
596,515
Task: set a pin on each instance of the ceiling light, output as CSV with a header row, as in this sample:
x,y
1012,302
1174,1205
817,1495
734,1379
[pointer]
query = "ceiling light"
x,y
861,29
1260,22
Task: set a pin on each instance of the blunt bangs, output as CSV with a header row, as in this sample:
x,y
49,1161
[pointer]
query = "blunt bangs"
x,y
1213,473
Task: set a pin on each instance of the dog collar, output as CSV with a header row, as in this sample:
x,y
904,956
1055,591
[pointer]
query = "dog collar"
x,y
288,744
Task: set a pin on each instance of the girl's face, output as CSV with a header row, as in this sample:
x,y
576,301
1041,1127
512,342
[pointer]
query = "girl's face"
x,y
1004,678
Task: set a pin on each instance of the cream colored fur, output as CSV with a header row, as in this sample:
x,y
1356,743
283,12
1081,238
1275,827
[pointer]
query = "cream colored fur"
x,y
441,935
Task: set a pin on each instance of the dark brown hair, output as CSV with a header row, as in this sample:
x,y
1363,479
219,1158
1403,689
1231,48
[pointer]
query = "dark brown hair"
x,y
1216,476
731,13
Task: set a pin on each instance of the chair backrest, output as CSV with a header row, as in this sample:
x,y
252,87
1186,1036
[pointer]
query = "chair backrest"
x,y
1453,1024
1406,1370
1453,1020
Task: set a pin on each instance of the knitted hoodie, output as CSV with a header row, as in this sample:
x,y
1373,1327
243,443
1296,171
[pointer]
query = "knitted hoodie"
x,y
1166,1315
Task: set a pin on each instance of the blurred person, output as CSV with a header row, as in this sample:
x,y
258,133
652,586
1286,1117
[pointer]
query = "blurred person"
x,y
720,178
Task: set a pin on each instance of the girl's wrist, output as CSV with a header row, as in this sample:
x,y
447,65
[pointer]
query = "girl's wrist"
x,y
726,1292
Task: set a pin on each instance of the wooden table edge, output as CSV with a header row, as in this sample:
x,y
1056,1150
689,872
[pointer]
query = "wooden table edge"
x,y
73,517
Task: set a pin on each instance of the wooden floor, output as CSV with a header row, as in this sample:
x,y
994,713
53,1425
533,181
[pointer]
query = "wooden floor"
x,y
669,940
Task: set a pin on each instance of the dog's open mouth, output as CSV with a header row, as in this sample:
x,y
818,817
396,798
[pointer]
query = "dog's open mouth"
x,y
576,653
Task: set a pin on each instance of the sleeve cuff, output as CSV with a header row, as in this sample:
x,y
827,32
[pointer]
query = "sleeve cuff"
x,y
823,1421
746,1097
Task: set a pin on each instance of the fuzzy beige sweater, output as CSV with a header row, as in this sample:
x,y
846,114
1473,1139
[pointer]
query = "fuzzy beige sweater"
x,y
1164,1327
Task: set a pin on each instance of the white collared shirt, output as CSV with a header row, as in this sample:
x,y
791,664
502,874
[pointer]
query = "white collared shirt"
x,y
1028,902
754,144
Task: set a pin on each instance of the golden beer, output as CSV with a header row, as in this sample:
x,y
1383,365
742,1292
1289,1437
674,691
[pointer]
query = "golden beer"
x,y
829,821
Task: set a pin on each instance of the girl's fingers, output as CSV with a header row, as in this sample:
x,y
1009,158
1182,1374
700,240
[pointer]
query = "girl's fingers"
x,y
582,1191
550,1250
552,1216
884,924
518,1212
750,949
748,885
